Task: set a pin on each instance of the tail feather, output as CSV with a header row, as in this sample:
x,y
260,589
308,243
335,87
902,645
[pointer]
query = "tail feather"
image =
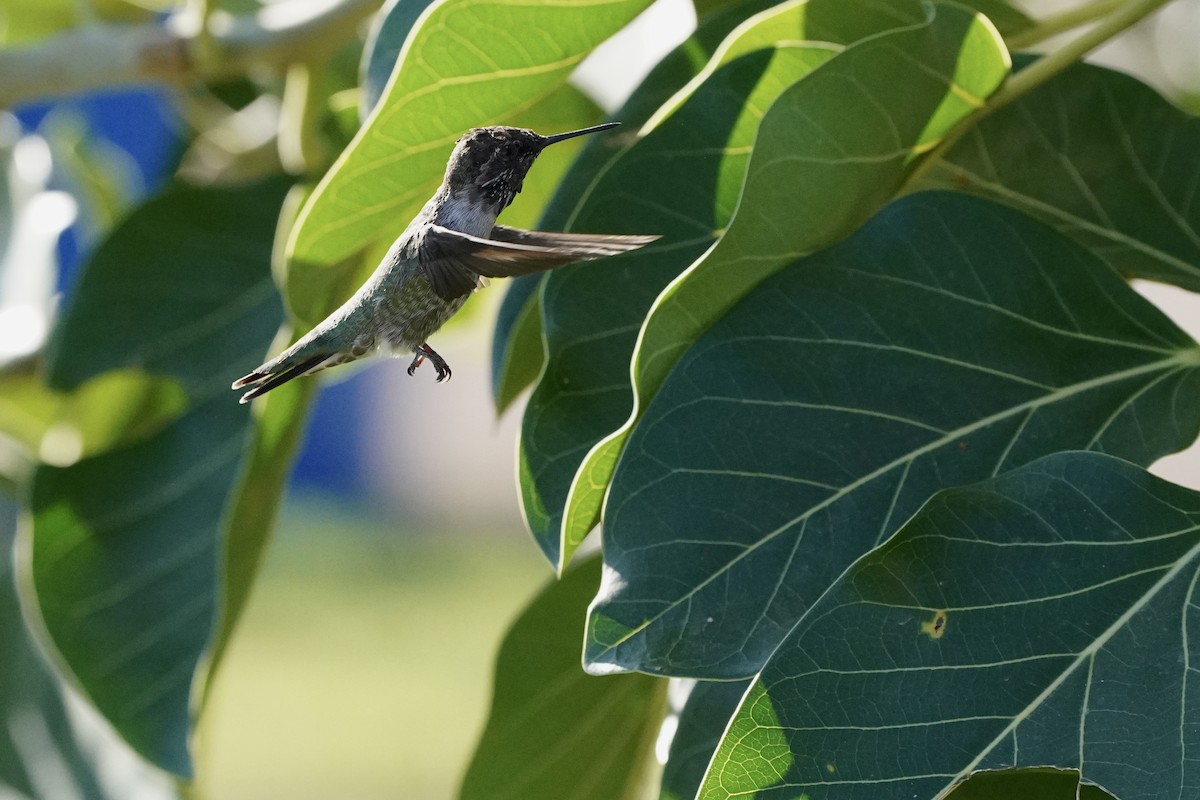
x,y
275,373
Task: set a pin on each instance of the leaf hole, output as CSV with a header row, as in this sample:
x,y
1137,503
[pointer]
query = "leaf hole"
x,y
936,627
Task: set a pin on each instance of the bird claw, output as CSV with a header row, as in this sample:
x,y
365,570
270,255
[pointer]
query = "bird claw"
x,y
439,363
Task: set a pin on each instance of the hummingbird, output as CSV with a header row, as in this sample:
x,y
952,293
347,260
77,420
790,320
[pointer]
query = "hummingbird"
x,y
449,250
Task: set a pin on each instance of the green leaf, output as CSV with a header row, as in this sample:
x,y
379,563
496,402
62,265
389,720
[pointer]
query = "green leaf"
x,y
517,344
847,134
804,20
1008,20
313,290
255,498
460,68
1065,586
254,504
947,340
554,730
707,8
702,722
517,348
122,548
114,408
385,41
583,390
1102,157
166,291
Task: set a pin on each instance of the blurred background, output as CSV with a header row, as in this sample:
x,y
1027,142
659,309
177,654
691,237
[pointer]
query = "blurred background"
x,y
362,667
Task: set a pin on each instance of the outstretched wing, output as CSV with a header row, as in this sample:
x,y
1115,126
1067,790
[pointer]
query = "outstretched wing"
x,y
453,261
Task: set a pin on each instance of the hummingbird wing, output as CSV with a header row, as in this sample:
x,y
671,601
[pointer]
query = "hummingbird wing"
x,y
611,244
453,261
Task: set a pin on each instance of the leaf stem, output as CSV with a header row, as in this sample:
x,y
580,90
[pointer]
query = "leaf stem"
x,y
300,146
204,48
1127,14
1063,21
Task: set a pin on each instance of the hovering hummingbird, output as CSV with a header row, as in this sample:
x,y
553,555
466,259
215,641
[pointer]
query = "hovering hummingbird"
x,y
445,253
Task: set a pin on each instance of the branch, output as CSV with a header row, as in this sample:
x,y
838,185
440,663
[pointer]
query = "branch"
x,y
98,56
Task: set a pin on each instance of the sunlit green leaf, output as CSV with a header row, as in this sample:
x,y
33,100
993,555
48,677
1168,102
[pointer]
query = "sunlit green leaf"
x,y
312,290
27,407
461,68
60,427
1008,19
1102,157
947,340
315,288
122,548
846,134
1041,618
554,731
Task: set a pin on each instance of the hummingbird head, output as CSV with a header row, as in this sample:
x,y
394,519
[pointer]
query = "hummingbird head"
x,y
491,163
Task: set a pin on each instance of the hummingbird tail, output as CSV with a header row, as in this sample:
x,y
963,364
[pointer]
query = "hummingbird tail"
x,y
270,375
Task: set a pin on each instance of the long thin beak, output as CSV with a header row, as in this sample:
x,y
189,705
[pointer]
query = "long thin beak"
x,y
559,137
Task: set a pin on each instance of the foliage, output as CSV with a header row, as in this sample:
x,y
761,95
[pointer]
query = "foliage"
x,y
866,431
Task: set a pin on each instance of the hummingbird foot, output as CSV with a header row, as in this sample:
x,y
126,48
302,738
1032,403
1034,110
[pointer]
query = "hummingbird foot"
x,y
439,363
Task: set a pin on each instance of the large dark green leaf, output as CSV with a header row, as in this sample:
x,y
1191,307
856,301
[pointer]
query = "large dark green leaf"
x,y
947,340
555,732
464,66
389,30
167,290
701,723
1102,157
254,504
846,134
1041,618
123,547
517,344
583,392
